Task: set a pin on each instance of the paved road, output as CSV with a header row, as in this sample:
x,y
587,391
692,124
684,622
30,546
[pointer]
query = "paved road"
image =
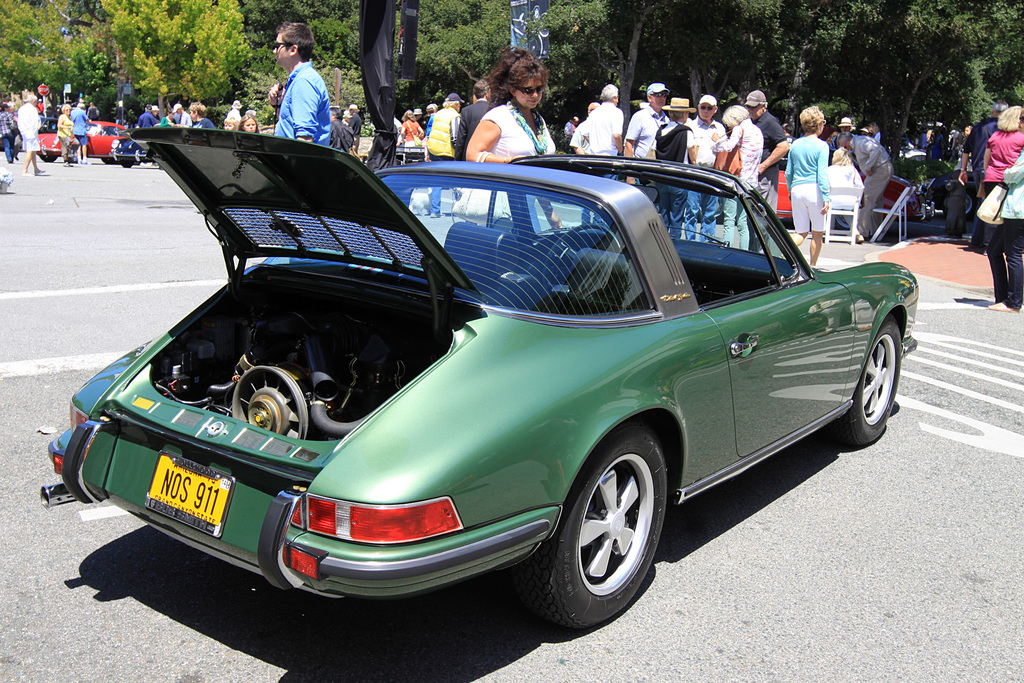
x,y
902,561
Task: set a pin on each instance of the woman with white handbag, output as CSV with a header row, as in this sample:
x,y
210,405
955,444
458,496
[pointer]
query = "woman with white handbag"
x,y
1006,248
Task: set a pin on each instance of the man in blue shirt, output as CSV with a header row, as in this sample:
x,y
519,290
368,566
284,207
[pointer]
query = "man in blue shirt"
x,y
148,118
79,130
304,106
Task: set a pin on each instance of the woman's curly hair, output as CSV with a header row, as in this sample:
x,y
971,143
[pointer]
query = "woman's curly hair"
x,y
515,67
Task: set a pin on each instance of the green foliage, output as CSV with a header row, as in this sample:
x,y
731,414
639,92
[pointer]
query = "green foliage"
x,y
32,44
918,170
179,47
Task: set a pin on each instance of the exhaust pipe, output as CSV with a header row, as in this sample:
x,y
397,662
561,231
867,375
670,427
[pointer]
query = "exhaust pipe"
x,y
55,494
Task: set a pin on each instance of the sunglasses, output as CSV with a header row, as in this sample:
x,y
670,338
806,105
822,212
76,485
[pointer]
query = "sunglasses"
x,y
663,93
706,107
275,46
539,90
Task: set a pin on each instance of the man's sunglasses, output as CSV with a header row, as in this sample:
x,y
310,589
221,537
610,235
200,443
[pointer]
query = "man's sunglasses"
x,y
275,46
539,90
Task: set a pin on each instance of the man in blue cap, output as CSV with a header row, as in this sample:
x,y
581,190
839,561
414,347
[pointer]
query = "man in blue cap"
x,y
644,124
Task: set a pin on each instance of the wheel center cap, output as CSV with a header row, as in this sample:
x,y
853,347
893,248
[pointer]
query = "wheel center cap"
x,y
618,523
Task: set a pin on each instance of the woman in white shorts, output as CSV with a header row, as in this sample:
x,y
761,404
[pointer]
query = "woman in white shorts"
x,y
807,178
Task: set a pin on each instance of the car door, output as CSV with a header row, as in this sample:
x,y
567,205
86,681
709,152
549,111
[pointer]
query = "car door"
x,y
790,344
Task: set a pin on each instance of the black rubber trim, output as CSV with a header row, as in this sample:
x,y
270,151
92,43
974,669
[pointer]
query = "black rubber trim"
x,y
298,476
534,532
272,534
74,458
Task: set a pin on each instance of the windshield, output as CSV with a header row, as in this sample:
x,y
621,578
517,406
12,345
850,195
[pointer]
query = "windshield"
x,y
527,249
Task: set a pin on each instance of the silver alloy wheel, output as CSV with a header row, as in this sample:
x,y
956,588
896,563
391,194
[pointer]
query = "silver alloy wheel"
x,y
617,525
879,378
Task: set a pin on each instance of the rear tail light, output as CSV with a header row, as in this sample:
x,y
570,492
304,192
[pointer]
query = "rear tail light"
x,y
77,417
379,523
58,463
304,560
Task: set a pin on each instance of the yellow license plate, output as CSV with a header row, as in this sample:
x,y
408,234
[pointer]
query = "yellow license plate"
x,y
190,493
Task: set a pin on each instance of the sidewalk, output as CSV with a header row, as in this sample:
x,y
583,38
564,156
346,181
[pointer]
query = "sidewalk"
x,y
942,258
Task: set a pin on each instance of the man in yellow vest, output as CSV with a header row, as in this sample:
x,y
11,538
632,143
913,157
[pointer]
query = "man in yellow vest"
x,y
444,129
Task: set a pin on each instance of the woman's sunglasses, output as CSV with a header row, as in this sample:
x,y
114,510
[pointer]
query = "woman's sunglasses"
x,y
539,90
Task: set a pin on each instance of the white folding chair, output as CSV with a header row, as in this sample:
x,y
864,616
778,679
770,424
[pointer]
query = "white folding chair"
x,y
898,212
845,202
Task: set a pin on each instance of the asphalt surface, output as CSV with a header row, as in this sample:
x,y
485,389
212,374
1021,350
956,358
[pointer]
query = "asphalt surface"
x,y
900,561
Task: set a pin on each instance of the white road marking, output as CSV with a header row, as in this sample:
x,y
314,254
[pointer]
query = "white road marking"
x,y
112,289
961,344
1016,407
92,514
954,306
970,361
968,373
991,438
49,366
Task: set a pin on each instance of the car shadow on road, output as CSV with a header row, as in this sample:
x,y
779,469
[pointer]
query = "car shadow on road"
x,y
460,633
699,521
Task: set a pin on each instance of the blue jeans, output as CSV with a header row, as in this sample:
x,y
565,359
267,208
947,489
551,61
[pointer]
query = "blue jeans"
x,y
435,192
1006,259
735,224
701,216
671,206
9,147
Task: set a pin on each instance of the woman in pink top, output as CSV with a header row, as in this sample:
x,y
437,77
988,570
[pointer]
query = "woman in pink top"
x,y
1004,147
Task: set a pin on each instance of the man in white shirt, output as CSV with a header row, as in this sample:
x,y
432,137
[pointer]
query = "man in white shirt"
x,y
605,132
28,126
644,124
701,215
580,141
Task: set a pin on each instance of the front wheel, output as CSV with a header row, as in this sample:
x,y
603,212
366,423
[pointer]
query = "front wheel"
x,y
865,421
48,158
127,164
589,571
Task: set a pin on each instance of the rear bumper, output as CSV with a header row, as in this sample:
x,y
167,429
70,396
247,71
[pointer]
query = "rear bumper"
x,y
342,568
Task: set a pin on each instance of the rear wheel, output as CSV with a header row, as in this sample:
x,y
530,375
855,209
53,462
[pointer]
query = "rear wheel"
x,y
865,421
591,569
47,158
127,164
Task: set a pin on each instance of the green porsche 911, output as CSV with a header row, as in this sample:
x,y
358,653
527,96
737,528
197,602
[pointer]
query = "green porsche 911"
x,y
381,402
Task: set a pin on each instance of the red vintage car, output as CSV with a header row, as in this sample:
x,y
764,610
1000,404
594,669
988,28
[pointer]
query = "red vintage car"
x,y
101,135
916,209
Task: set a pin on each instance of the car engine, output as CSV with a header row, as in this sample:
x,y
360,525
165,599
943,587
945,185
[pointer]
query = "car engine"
x,y
308,375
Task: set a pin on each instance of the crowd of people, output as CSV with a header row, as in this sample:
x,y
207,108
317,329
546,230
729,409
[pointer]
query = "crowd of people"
x,y
503,122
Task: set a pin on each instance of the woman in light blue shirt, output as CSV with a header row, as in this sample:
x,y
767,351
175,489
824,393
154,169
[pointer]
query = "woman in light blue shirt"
x,y
807,178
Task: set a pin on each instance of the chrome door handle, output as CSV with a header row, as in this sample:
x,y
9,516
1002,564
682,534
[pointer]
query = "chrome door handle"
x,y
744,348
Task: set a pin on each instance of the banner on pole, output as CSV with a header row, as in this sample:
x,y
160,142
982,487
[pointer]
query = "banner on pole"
x,y
407,33
526,32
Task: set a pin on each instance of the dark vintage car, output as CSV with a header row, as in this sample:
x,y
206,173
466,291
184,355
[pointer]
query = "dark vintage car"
x,y
101,135
936,193
127,152
379,405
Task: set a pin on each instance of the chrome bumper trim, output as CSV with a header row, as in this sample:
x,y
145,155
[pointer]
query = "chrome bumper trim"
x,y
534,532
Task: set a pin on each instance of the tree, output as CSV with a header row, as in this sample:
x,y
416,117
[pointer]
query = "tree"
x,y
32,43
179,47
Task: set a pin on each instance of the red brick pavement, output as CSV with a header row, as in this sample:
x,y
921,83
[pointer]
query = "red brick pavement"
x,y
943,259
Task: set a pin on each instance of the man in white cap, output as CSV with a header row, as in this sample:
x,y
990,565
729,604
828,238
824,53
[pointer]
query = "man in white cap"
x,y
701,215
776,146
235,113
644,124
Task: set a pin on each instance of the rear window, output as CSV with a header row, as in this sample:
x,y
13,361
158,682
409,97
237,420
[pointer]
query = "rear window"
x,y
528,249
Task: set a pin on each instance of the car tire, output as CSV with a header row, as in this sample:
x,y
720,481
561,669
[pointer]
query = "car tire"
x,y
47,158
127,164
582,575
865,421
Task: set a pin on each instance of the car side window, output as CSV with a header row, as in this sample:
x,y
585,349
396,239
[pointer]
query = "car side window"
x,y
526,249
722,260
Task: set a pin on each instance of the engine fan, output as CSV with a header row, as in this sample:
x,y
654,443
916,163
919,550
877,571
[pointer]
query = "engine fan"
x,y
271,398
